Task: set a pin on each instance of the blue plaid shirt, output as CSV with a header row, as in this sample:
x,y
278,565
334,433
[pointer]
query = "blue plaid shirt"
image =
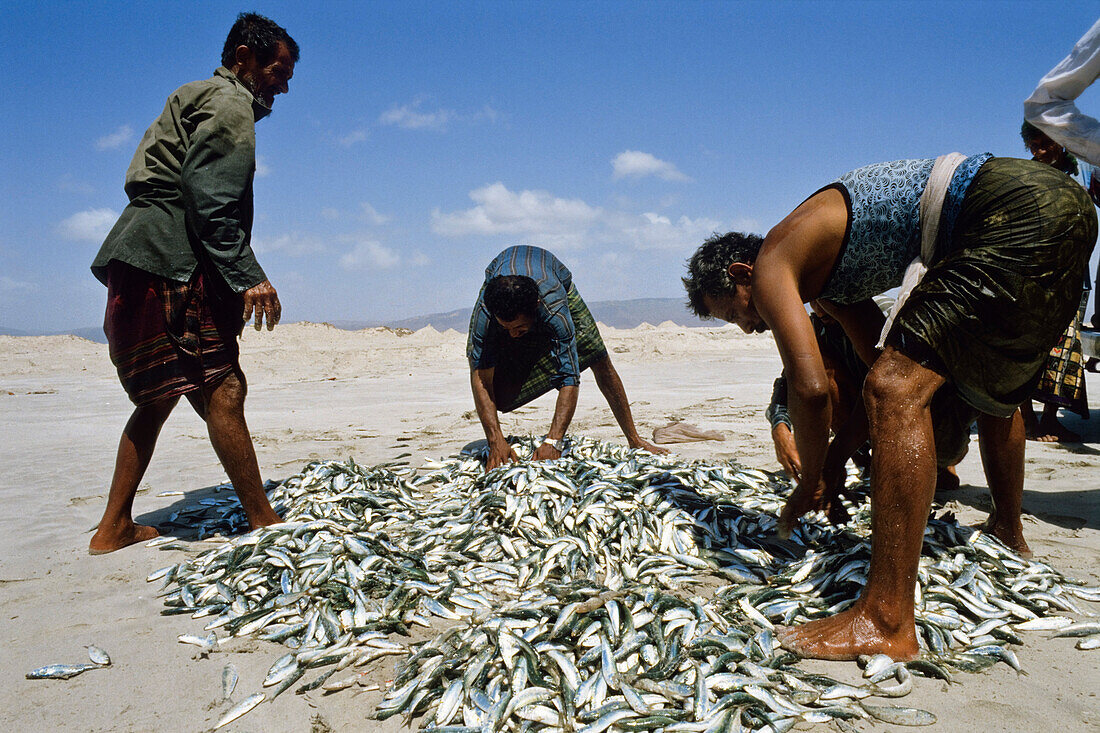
x,y
553,280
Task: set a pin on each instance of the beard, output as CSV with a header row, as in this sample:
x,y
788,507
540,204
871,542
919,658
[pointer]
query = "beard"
x,y
250,83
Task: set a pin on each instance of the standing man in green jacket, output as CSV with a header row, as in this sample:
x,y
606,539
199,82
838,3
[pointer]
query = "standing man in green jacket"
x,y
181,276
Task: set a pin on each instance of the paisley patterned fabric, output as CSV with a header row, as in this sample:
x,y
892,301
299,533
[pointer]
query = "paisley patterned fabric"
x,y
884,223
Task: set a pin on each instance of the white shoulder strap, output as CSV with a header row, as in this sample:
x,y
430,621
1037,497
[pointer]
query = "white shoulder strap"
x,y
931,207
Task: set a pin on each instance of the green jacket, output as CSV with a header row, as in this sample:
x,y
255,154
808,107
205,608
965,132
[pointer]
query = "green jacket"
x,y
190,189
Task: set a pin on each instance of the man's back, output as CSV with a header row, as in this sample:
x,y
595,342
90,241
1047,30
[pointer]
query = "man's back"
x,y
190,185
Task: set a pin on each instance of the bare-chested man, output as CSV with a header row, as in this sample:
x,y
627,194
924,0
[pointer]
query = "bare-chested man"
x,y
1004,280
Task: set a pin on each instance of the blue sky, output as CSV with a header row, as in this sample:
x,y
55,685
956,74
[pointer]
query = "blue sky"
x,y
420,138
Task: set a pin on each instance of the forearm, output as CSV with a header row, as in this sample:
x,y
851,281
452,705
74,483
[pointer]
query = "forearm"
x,y
776,413
611,386
564,408
1051,106
481,383
811,416
852,434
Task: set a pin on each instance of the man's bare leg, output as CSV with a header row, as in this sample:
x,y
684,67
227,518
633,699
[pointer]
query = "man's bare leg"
x,y
898,394
611,386
135,449
1002,444
224,414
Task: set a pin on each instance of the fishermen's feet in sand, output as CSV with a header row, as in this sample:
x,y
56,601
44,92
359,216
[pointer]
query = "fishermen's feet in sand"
x,y
266,519
1012,536
1052,431
104,541
847,635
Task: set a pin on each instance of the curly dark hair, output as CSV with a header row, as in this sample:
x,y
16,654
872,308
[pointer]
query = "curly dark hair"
x,y
260,34
708,268
509,296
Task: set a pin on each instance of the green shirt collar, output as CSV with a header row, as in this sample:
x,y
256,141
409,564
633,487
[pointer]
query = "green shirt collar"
x,y
259,109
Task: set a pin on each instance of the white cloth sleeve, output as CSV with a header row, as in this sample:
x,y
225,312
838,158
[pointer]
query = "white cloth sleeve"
x,y
1051,106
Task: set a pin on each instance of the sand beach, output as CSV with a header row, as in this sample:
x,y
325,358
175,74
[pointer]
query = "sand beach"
x,y
316,392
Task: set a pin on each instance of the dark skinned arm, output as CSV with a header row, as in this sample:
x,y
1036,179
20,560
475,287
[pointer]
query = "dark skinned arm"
x,y
607,379
862,323
500,451
563,415
786,452
776,294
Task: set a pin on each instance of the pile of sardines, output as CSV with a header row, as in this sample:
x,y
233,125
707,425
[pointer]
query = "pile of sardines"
x,y
609,590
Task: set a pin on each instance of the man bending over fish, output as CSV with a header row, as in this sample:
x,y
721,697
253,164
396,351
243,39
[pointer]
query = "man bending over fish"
x,y
181,275
1006,243
530,332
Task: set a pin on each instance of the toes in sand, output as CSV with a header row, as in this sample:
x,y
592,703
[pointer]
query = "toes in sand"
x,y
103,542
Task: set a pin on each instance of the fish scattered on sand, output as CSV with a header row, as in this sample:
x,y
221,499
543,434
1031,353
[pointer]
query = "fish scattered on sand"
x,y
611,587
98,656
60,671
240,709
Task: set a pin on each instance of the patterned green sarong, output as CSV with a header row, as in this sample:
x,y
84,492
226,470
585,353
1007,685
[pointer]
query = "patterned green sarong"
x,y
525,366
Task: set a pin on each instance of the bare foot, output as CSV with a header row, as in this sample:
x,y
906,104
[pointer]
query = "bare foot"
x,y
1052,431
1012,536
269,518
105,540
847,635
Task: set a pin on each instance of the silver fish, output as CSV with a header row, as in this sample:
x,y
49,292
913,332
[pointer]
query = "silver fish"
x,y
59,671
240,709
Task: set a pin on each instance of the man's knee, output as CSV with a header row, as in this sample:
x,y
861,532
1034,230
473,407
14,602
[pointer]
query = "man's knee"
x,y
157,411
896,383
229,392
882,389
601,367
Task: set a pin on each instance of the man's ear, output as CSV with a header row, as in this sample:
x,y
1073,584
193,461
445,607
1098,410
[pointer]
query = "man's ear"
x,y
243,55
739,272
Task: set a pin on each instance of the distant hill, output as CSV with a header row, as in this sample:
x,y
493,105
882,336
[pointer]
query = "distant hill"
x,y
614,313
92,333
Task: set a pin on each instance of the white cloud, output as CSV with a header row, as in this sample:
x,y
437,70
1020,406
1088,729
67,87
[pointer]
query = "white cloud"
x,y
116,139
745,224
654,231
419,259
69,184
369,254
371,214
544,219
293,244
8,285
88,226
413,117
531,213
262,168
486,113
355,136
410,117
331,213
636,164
